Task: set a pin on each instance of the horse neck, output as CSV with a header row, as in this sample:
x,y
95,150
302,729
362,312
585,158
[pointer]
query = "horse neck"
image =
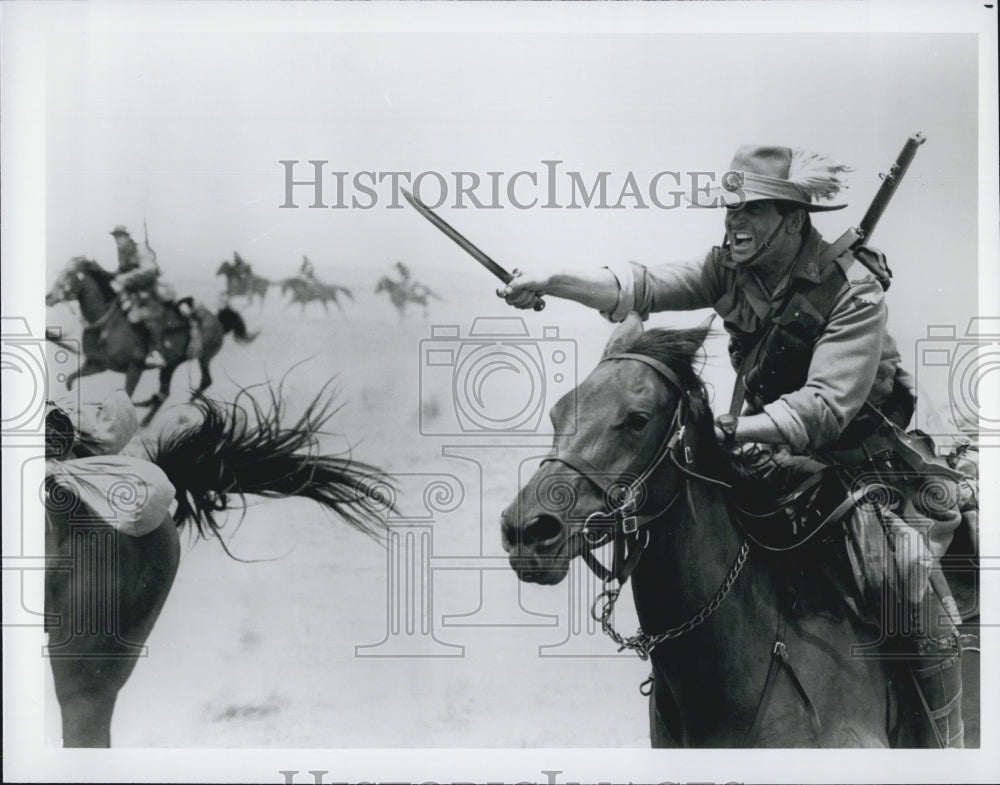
x,y
93,299
692,549
716,669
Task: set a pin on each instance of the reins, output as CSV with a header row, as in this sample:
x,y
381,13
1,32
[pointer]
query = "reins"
x,y
642,643
629,545
100,320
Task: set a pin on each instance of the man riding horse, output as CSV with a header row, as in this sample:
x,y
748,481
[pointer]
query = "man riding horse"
x,y
241,270
143,293
819,378
307,271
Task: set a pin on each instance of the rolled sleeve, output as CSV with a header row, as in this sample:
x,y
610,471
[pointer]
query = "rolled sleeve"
x,y
622,271
843,369
668,287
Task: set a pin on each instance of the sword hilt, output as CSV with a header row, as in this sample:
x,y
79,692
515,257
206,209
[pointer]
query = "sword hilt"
x,y
539,303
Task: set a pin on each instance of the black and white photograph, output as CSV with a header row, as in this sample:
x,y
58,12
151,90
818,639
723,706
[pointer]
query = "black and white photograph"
x,y
500,392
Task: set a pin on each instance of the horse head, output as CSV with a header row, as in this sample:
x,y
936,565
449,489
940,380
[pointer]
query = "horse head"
x,y
384,283
68,285
613,461
225,269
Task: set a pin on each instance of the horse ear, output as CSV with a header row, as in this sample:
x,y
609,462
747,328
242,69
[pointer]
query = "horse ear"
x,y
701,332
627,333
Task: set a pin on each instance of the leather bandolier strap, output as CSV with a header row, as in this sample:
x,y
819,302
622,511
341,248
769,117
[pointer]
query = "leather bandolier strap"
x,y
778,362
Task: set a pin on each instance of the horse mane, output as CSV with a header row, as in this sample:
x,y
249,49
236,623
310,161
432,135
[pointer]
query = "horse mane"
x,y
800,593
103,277
241,448
679,351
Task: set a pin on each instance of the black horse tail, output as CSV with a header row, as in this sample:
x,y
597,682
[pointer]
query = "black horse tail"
x,y
232,322
240,449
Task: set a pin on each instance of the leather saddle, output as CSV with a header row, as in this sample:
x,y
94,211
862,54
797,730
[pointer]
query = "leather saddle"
x,y
786,521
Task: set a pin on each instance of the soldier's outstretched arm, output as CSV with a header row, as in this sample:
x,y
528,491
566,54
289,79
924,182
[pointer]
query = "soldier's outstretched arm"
x,y
597,288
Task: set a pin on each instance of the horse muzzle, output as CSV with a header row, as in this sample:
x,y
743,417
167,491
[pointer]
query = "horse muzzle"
x,y
539,549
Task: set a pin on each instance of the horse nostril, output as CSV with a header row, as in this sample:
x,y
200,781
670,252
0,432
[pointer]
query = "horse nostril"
x,y
543,528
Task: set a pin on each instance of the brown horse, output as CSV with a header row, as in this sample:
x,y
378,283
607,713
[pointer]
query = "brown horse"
x,y
747,649
247,285
305,292
112,343
402,292
104,589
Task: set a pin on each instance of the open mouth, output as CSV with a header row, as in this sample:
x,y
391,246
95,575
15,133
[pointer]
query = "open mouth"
x,y
742,241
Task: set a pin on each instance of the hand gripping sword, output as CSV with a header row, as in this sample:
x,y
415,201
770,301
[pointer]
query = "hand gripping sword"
x,y
464,244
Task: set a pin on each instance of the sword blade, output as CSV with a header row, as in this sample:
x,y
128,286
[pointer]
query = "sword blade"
x,y
460,240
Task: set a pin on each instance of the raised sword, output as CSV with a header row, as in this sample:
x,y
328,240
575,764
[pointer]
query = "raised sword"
x,y
464,244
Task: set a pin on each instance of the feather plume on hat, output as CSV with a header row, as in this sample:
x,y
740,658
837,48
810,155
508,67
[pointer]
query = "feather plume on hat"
x,y
817,174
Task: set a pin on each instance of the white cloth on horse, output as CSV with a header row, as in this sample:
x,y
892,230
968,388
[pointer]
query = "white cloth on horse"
x,y
103,426
129,494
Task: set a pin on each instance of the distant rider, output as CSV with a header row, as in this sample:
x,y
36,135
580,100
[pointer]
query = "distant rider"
x,y
241,269
404,273
140,288
307,270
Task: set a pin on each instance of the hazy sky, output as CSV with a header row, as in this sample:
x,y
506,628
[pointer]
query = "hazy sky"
x,y
186,132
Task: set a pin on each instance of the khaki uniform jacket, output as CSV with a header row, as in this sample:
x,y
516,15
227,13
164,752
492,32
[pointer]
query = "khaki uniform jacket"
x,y
854,360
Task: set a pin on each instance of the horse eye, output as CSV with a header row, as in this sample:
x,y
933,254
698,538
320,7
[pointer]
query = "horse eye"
x,y
636,421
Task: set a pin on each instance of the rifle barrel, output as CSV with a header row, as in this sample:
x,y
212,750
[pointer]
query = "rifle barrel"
x,y
890,182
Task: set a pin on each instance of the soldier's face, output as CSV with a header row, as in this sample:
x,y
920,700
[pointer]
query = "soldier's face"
x,y
748,226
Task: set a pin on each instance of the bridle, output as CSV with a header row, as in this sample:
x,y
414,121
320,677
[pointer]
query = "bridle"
x,y
627,527
624,518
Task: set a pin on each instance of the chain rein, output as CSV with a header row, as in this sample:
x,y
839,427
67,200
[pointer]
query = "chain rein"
x,y
642,643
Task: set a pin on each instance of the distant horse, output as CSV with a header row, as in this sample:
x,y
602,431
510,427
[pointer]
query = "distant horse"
x,y
735,662
400,293
245,285
112,343
104,589
304,292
